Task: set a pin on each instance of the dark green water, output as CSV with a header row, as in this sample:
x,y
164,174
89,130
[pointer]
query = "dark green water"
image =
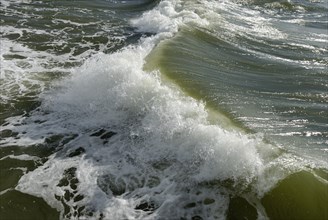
x,y
164,109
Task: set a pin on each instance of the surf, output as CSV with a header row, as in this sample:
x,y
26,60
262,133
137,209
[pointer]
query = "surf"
x,y
124,138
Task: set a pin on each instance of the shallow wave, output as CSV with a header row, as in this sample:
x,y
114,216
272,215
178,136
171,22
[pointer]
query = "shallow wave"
x,y
130,144
160,134
163,144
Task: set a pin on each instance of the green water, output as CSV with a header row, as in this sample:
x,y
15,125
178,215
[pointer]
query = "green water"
x,y
254,91
268,83
14,204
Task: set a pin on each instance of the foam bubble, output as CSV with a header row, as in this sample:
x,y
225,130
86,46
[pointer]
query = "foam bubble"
x,y
164,144
167,17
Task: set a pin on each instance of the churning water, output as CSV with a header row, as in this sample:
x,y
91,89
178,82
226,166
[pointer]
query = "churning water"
x,y
166,109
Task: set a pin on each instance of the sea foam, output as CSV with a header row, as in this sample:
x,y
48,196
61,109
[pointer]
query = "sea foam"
x,y
164,144
163,159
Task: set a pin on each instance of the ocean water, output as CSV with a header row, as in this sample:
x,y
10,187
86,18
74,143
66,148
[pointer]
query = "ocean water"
x,y
164,109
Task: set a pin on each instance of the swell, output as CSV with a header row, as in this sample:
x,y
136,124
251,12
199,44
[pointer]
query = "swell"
x,y
124,139
157,134
126,143
251,78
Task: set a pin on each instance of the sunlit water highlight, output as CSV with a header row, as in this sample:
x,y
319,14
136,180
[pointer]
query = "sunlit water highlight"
x,y
164,109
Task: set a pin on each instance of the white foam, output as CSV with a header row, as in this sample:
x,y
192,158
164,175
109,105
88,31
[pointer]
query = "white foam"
x,y
21,157
7,3
240,21
168,16
19,76
165,150
74,23
156,124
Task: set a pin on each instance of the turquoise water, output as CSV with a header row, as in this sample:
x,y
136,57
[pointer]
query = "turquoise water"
x,y
164,109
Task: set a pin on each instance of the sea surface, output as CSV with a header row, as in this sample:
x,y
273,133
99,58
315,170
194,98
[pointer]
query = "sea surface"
x,y
164,109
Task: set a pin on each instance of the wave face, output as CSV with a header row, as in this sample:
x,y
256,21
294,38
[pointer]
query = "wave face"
x,y
164,109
